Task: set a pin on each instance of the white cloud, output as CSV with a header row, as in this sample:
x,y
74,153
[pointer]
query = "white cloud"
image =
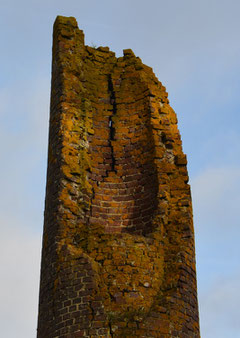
x,y
216,198
216,203
20,266
219,308
23,136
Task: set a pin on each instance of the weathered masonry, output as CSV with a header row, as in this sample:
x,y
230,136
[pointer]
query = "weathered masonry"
x,y
118,255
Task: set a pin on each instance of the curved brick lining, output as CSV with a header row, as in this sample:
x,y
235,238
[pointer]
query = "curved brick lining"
x,y
124,174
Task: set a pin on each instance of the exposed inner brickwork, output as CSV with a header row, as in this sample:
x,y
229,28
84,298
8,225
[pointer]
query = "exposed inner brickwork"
x,y
123,173
118,255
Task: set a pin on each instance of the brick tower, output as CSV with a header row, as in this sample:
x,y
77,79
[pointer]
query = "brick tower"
x,y
118,257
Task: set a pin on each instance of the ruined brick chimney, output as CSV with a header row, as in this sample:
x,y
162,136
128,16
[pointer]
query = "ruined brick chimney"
x,y
118,257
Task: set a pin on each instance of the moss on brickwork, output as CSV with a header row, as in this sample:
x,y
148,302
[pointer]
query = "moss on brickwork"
x,y
118,254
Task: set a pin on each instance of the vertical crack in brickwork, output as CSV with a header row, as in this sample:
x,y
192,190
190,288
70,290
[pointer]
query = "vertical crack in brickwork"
x,y
110,329
111,122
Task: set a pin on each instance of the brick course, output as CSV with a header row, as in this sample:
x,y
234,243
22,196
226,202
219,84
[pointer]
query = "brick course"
x,y
118,257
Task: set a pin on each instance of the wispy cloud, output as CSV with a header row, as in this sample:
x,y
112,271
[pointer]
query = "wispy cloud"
x,y
216,199
216,203
219,307
19,261
23,136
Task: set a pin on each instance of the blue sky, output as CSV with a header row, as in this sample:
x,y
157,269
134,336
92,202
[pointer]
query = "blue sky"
x,y
193,48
